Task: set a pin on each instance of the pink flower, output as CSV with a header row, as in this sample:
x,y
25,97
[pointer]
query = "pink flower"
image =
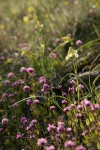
x,y
42,80
50,147
23,120
72,82
66,109
52,107
69,144
80,147
61,127
4,121
4,95
79,107
53,55
51,127
36,101
69,129
26,88
41,142
30,70
79,42
19,136
23,69
85,102
78,115
71,89
64,102
6,82
29,102
10,75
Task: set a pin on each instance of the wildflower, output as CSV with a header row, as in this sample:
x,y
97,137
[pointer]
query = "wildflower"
x,y
71,54
6,82
31,125
81,87
15,105
86,102
32,136
69,129
20,81
23,120
79,107
26,19
72,82
50,147
46,86
52,107
64,102
60,87
51,127
78,115
69,144
10,75
52,55
80,147
96,106
30,70
71,89
85,132
36,101
61,127
79,42
57,41
23,69
42,80
15,84
41,142
29,102
72,106
66,109
4,95
26,88
4,121
19,136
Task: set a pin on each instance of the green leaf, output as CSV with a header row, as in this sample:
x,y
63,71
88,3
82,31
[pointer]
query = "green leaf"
x,y
87,122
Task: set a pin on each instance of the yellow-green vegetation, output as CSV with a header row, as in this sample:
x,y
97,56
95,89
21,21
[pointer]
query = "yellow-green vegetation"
x,y
49,75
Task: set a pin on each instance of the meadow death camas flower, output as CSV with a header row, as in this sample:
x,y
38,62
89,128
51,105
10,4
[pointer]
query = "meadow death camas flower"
x,y
71,54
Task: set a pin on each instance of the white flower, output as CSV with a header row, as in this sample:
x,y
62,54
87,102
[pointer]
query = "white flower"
x,y
71,54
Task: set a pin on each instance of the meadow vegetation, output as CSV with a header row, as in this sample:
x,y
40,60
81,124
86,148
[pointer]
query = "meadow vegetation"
x,y
49,75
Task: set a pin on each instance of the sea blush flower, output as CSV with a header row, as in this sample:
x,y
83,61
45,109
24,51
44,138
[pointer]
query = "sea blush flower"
x,y
51,127
19,136
86,102
72,82
30,70
29,102
61,127
42,80
52,108
36,101
23,120
52,55
79,42
69,144
64,102
50,147
41,142
23,69
26,88
80,147
4,121
10,75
